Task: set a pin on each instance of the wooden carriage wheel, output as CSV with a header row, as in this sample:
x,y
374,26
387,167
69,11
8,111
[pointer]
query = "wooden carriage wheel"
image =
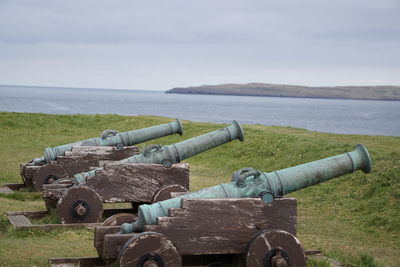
x,y
149,249
165,192
275,248
119,218
48,174
80,204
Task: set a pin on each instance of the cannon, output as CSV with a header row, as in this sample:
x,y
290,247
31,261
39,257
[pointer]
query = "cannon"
x,y
113,138
66,160
247,217
168,155
138,179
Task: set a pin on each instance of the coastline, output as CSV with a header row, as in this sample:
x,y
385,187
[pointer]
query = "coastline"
x,y
278,96
361,92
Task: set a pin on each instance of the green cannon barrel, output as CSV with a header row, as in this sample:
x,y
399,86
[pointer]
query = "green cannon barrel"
x,y
252,183
112,138
168,155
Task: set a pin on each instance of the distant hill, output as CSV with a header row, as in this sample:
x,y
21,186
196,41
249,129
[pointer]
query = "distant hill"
x,y
279,90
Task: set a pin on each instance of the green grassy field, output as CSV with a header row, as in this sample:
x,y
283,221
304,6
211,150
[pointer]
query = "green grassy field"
x,y
354,219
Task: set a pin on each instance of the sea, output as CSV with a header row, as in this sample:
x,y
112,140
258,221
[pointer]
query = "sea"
x,y
342,116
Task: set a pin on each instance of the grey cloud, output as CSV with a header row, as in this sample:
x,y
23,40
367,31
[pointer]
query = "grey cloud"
x,y
196,22
124,43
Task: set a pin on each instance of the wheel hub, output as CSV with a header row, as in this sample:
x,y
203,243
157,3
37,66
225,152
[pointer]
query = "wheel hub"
x,y
276,257
80,209
151,260
79,204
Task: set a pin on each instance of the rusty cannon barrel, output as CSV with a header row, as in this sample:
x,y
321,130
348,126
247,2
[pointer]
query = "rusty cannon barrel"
x,y
175,153
252,183
112,138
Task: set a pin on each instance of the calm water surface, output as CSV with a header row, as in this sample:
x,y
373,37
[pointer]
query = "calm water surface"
x,y
367,117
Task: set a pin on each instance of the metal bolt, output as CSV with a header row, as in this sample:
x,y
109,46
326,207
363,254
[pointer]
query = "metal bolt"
x,y
80,210
278,260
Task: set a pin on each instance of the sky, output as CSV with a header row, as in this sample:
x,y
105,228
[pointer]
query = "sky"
x,y
159,45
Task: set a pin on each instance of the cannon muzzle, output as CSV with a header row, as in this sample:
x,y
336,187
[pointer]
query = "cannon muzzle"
x,y
175,153
112,138
252,183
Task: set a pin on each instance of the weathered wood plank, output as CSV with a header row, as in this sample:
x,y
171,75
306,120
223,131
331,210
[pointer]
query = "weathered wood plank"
x,y
113,244
81,159
175,212
136,182
98,262
42,174
213,226
224,226
32,214
53,192
99,234
19,221
193,261
126,183
15,187
6,190
58,186
108,152
37,214
27,172
49,227
78,160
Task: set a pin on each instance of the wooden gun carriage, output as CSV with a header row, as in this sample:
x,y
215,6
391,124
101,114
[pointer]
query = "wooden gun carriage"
x,y
79,159
115,183
239,230
247,218
139,179
65,161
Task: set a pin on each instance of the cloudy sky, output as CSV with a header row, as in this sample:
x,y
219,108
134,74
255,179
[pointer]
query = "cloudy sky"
x,y
158,45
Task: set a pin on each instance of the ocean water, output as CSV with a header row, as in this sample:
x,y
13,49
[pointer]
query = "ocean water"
x,y
366,117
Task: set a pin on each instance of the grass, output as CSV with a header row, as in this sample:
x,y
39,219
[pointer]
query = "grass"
x,y
318,263
354,219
